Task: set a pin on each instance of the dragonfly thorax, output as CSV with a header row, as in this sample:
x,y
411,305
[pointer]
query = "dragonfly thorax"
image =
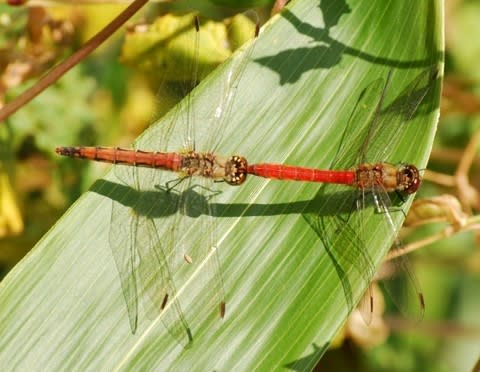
x,y
232,170
404,178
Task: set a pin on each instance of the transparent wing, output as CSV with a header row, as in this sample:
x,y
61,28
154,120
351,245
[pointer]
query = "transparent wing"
x,y
194,263
187,130
159,292
399,280
373,129
338,228
196,207
189,136
144,260
366,303
386,127
150,261
335,218
124,254
154,210
177,131
227,94
375,126
199,206
362,115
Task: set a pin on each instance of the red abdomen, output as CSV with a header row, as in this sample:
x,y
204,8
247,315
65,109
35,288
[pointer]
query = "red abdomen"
x,y
288,172
116,155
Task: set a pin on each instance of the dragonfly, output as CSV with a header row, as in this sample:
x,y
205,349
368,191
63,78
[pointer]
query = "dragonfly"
x,y
146,261
375,180
153,262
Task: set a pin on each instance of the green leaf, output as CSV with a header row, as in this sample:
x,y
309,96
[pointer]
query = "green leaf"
x,y
63,307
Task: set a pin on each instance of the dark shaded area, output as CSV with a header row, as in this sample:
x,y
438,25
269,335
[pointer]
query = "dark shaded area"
x,y
172,202
347,357
291,64
306,363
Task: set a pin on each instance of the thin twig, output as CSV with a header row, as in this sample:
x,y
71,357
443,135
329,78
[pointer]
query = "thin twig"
x,y
472,224
467,194
439,329
439,178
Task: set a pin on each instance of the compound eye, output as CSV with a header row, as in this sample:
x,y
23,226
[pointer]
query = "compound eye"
x,y
236,170
412,180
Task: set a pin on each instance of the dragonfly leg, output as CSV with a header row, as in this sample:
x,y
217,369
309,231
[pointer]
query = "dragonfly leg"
x,y
213,192
391,209
170,185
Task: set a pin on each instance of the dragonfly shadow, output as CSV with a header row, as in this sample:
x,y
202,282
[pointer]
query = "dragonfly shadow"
x,y
140,201
328,214
316,206
159,202
192,202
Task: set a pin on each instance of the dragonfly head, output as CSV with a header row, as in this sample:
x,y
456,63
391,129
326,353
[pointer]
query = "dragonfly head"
x,y
409,179
235,170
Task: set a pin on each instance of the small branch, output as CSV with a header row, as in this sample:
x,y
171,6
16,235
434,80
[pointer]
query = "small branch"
x,y
468,195
439,178
439,329
472,224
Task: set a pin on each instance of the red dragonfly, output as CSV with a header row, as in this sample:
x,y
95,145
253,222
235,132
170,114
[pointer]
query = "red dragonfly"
x,y
146,259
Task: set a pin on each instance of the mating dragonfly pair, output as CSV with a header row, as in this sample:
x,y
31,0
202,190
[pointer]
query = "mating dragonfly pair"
x,y
142,257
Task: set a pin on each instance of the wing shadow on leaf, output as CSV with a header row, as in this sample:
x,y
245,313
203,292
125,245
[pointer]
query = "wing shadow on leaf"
x,y
309,361
327,52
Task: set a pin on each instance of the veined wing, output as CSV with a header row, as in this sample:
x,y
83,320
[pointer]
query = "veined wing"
x,y
202,252
334,226
374,129
122,246
342,220
196,205
399,280
384,132
149,267
159,291
387,126
362,115
142,259
226,98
